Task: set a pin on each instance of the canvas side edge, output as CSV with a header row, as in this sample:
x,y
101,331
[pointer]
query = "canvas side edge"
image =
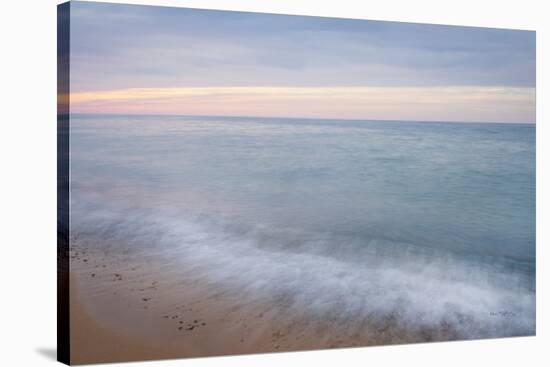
x,y
63,168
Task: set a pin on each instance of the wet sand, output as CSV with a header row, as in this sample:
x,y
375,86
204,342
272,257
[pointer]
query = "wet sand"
x,y
121,311
118,314
92,342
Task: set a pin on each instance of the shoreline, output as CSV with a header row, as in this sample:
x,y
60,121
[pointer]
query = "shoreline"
x,y
197,322
123,310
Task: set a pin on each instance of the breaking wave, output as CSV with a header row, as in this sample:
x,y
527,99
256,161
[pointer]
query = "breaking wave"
x,y
321,274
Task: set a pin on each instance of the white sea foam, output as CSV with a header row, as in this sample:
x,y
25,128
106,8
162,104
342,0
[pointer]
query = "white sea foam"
x,y
342,278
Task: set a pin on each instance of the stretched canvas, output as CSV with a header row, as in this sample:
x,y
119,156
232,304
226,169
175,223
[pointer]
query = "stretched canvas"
x,y
233,182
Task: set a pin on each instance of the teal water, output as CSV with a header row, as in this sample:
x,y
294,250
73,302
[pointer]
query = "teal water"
x,y
427,222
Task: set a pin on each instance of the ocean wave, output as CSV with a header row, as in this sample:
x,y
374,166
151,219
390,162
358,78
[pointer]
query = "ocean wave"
x,y
345,278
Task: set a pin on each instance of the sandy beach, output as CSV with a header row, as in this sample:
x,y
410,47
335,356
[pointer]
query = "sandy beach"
x,y
120,313
125,309
93,342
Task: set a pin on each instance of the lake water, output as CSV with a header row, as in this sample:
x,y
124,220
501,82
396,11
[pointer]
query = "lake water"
x,y
425,222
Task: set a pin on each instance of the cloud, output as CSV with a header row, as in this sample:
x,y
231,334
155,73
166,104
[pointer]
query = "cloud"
x,y
128,45
117,47
410,103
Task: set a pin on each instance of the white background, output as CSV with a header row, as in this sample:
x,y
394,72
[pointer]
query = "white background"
x,y
28,181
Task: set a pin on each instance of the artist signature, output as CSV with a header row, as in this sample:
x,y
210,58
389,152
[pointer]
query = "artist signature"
x,y
503,314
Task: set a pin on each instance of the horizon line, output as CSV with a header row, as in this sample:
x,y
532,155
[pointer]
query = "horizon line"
x,y
298,118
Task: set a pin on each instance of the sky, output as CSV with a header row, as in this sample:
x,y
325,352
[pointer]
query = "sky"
x,y
162,60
